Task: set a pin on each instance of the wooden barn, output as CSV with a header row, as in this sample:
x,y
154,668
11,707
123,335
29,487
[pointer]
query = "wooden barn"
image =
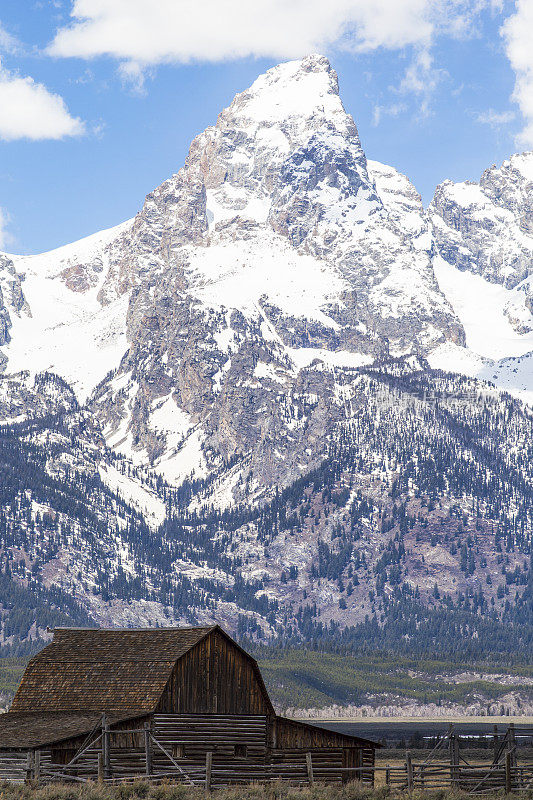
x,y
186,704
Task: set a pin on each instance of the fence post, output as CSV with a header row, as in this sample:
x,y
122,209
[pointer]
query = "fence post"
x,y
454,757
409,770
147,749
309,762
512,744
208,769
106,754
508,782
387,775
100,767
37,766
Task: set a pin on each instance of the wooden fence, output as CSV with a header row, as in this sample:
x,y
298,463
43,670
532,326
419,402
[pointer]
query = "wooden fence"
x,y
308,768
175,749
476,779
456,772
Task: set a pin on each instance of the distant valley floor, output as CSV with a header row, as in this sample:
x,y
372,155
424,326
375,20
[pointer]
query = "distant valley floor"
x,y
375,694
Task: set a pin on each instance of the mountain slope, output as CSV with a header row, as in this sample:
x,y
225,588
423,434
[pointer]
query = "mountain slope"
x,y
417,521
234,405
483,235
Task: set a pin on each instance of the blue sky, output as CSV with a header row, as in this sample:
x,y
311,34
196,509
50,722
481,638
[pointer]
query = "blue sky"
x,y
99,99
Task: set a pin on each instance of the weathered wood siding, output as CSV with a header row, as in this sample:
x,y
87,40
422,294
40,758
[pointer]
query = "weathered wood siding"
x,y
328,764
13,765
289,733
293,737
198,733
291,765
215,677
368,760
361,757
238,744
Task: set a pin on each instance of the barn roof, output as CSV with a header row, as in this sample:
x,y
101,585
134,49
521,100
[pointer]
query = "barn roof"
x,y
38,729
122,670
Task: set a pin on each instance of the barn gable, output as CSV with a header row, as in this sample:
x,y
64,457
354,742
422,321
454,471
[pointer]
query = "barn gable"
x,y
216,676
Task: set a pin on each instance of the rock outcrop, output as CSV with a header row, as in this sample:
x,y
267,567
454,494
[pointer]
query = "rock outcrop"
x,y
487,228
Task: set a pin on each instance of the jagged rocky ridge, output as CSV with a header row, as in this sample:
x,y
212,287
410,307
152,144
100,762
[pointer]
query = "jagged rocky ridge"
x,y
239,398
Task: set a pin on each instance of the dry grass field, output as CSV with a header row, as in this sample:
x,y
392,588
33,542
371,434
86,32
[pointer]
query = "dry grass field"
x,y
141,790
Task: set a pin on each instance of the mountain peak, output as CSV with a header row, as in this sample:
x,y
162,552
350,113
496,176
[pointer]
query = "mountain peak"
x,y
313,71
306,88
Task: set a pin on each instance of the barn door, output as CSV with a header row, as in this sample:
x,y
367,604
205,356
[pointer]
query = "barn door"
x,y
351,757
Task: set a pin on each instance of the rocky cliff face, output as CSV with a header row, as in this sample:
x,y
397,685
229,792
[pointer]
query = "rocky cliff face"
x,y
487,228
241,378
276,244
11,300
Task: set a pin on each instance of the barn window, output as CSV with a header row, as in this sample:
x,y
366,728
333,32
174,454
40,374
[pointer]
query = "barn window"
x,y
240,751
178,750
62,755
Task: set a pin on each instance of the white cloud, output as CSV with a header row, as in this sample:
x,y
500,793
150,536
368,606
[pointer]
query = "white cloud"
x,y
5,237
518,35
392,110
8,43
421,78
460,18
144,33
29,111
149,32
495,118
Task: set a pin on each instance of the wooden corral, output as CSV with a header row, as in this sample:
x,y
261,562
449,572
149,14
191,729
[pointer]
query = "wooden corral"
x,y
187,704
446,767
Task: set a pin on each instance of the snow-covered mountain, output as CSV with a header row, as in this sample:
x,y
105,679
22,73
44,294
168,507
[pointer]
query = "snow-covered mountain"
x,y
277,243
483,238
280,304
55,317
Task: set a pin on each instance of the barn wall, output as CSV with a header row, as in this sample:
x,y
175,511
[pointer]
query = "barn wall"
x,y
214,677
237,744
368,758
126,750
240,747
293,738
13,765
290,733
197,734
218,733
291,765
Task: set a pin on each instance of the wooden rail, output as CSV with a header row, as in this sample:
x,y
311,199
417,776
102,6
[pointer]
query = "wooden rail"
x,y
212,753
473,779
302,768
